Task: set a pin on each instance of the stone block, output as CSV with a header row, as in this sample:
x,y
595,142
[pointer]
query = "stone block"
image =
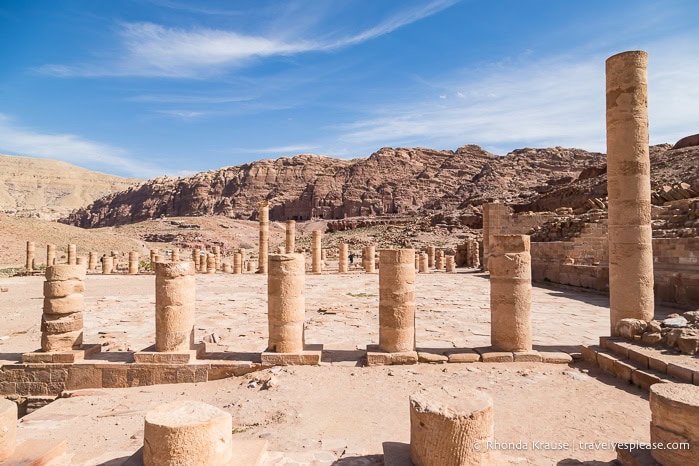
x,y
623,370
375,357
307,357
556,357
527,356
589,353
155,357
431,357
641,359
497,356
606,362
645,379
683,374
115,377
464,357
84,376
617,346
657,365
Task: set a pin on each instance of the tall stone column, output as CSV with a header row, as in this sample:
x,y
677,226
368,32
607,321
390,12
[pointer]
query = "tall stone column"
x,y
450,264
424,263
203,264
133,263
290,245
175,254
316,264
439,259
343,259
50,255
264,236
107,264
251,266
451,426
628,185
30,256
397,300
174,306
237,263
370,264
153,253
286,303
62,319
187,432
417,262
92,261
431,250
217,255
510,293
72,254
495,221
211,263
195,259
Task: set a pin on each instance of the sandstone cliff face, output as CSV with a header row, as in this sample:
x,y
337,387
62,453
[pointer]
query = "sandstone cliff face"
x,y
49,189
390,181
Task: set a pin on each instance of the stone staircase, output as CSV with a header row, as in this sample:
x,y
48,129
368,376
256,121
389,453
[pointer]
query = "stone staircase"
x,y
641,365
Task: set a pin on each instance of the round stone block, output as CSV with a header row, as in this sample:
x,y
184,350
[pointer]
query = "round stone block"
x,y
450,426
56,289
63,272
60,323
66,305
674,411
66,341
187,433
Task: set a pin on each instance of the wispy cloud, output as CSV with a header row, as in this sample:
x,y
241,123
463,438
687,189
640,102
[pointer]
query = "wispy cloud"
x,y
16,140
150,49
544,102
183,114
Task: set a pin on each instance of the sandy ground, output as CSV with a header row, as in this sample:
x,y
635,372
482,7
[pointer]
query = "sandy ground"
x,y
338,412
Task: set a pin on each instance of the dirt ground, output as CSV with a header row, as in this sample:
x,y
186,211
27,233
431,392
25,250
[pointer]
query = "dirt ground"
x,y
339,412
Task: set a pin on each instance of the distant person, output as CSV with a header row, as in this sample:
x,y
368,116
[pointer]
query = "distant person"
x,y
351,258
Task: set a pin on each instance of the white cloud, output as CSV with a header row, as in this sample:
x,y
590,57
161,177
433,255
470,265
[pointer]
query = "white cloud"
x,y
154,50
182,114
70,148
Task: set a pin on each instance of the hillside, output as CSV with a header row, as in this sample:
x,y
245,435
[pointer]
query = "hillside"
x,y
390,181
50,189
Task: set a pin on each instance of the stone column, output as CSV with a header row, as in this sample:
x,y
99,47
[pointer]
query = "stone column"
x,y
495,218
153,253
264,236
370,264
237,263
8,428
674,409
72,254
316,240
175,254
133,263
430,256
30,256
217,256
343,259
227,268
115,261
195,259
187,432
628,185
290,244
286,303
203,265
448,424
510,293
62,319
50,255
439,259
79,260
92,261
107,264
450,264
424,261
251,266
417,262
174,306
211,263
397,300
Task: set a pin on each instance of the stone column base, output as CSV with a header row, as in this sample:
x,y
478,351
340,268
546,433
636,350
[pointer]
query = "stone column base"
x,y
247,452
150,356
61,357
376,357
310,356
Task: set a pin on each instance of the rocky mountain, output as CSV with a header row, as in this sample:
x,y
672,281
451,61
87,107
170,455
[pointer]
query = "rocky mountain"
x,y
390,181
49,189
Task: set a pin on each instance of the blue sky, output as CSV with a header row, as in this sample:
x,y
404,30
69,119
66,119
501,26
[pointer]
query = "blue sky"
x,y
152,87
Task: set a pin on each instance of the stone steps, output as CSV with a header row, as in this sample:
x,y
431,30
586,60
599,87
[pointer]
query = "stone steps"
x,y
640,365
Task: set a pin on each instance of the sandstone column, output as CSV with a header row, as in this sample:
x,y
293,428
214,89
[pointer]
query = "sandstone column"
x,y
450,264
50,255
417,262
133,263
30,256
316,240
72,254
107,264
439,259
286,303
175,254
174,306
217,256
8,428
397,300
424,261
510,293
237,263
211,263
451,426
628,185
290,244
187,433
227,268
264,236
195,259
251,266
430,256
674,411
343,259
79,260
62,319
370,264
92,261
203,261
153,253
